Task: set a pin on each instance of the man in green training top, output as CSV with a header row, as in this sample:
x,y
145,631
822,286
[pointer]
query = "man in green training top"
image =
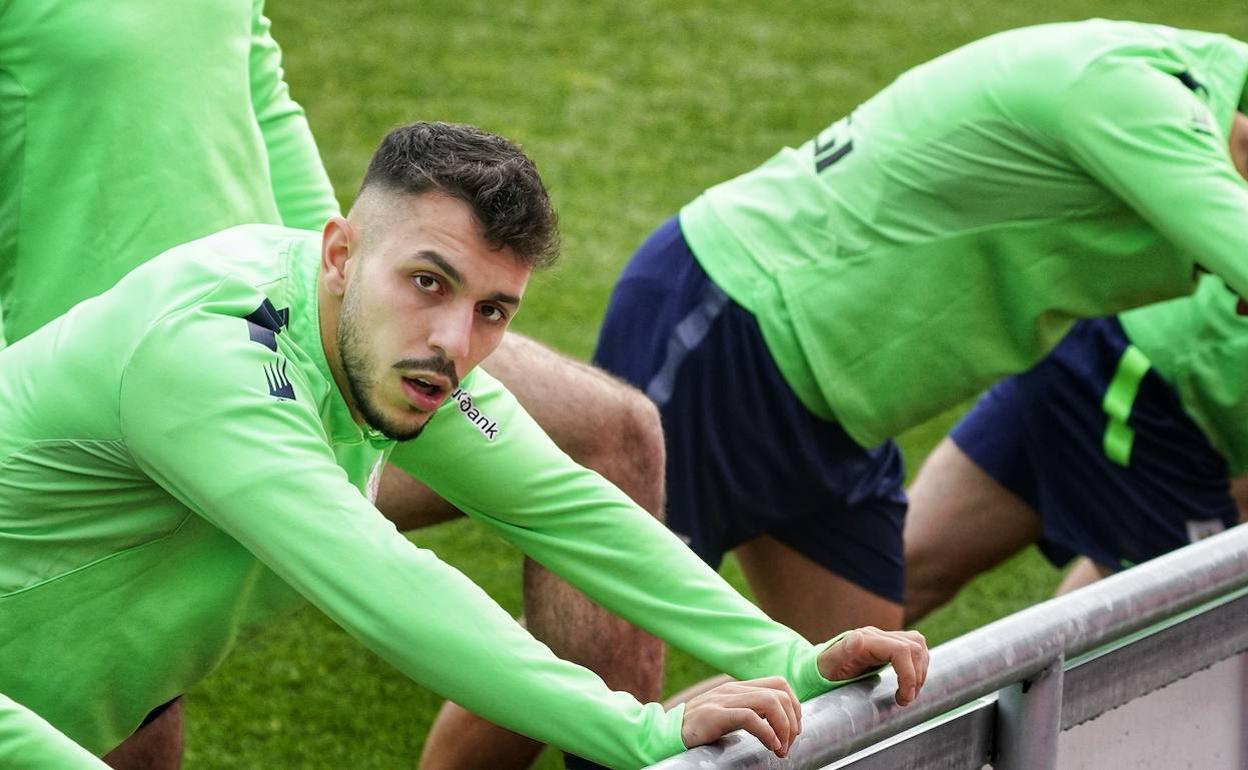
x,y
945,234
129,127
190,451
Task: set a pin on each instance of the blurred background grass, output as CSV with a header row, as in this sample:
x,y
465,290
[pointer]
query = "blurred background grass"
x,y
630,110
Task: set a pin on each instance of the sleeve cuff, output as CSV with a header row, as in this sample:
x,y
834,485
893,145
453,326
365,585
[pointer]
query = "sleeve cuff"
x,y
814,683
671,741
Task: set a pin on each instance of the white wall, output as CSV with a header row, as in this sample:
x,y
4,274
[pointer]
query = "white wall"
x,y
1197,722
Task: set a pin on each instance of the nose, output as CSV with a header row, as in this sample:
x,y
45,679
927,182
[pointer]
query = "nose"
x,y
451,333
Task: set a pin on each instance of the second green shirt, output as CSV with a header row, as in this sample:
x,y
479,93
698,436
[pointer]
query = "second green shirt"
x,y
949,231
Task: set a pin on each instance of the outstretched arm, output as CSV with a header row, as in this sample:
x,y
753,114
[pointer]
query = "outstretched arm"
x,y
207,435
509,474
1150,137
767,708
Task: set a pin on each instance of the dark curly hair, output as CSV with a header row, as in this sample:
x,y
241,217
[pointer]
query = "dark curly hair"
x,y
489,173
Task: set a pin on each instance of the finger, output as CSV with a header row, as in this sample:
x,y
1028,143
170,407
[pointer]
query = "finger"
x,y
922,657
770,699
918,654
774,706
907,677
792,705
760,728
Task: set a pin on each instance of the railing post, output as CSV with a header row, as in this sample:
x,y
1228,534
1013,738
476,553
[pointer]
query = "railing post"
x,y
1029,721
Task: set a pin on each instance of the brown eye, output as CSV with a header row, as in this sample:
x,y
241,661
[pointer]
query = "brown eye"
x,y
425,281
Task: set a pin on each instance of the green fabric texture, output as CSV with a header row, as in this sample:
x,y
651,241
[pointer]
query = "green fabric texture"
x,y
125,131
949,231
189,481
1199,344
29,743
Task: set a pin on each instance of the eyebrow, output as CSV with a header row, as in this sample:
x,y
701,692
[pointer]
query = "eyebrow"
x,y
440,261
453,273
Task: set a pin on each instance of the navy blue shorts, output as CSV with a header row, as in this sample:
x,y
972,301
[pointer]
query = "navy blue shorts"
x,y
1042,435
745,458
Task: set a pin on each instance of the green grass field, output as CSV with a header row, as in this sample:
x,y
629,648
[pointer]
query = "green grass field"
x,y
630,110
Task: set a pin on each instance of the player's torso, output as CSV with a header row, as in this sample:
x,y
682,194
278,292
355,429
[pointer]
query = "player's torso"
x,y
123,132
86,537
936,239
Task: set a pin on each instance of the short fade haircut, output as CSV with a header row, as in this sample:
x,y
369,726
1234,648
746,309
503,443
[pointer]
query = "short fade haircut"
x,y
489,173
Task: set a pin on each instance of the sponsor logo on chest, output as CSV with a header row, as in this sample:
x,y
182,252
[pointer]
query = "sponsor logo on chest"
x,y
488,427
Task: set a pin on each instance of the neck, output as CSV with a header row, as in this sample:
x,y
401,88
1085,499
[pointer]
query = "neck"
x,y
327,309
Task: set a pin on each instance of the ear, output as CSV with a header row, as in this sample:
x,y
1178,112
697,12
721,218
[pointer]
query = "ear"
x,y
337,242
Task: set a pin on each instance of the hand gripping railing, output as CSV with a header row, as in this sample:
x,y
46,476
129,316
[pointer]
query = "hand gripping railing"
x,y
1019,657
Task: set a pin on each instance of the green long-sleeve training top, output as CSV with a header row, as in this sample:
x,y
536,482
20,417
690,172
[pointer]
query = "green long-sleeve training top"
x,y
948,232
129,127
176,464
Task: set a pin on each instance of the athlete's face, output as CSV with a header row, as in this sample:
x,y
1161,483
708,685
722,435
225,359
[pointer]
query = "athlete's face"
x,y
412,298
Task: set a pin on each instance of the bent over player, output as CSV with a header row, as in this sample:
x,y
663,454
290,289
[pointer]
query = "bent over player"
x,y
945,234
189,452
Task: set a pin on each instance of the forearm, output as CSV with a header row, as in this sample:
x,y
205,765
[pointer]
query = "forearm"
x,y
301,188
440,629
578,525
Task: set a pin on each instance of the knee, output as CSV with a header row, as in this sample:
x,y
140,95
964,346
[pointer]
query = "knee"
x,y
629,449
641,433
930,582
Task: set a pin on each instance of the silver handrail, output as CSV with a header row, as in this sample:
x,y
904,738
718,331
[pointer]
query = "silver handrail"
x,y
1008,651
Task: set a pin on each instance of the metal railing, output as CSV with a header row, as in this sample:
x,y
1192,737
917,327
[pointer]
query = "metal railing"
x,y
1004,692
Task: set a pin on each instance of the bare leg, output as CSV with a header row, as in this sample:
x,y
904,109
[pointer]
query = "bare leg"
x,y
694,690
156,745
803,595
1239,493
606,425
961,522
806,596
1084,572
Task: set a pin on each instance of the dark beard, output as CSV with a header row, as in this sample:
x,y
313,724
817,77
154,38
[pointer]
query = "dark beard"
x,y
361,390
354,364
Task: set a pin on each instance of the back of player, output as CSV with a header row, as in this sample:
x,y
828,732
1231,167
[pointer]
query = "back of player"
x,y
945,234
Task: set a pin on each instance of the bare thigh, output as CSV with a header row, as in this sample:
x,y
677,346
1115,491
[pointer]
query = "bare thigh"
x,y
1239,493
804,595
603,424
961,522
1084,572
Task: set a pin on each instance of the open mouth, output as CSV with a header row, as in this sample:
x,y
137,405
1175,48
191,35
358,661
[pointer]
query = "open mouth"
x,y
421,384
425,394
